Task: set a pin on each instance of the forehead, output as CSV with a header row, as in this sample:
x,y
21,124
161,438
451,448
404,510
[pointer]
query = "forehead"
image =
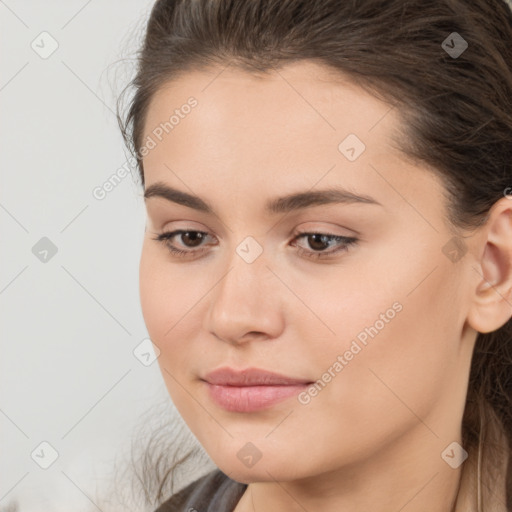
x,y
275,131
301,107
299,99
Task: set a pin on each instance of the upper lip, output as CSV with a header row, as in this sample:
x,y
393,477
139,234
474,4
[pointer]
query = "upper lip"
x,y
250,377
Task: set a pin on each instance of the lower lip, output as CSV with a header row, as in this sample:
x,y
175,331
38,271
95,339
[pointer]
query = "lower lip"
x,y
251,398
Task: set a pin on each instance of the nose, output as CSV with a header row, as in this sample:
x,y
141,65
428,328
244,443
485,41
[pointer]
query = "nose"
x,y
246,303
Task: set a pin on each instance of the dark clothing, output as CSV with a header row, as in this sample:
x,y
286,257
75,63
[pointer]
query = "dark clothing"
x,y
214,492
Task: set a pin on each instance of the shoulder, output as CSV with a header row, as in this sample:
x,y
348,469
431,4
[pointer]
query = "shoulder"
x,y
213,492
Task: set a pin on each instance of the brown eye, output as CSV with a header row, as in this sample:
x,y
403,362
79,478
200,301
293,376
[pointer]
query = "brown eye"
x,y
318,242
189,239
194,237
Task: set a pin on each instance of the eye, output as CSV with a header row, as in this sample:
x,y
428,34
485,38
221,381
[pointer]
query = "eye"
x,y
318,241
194,237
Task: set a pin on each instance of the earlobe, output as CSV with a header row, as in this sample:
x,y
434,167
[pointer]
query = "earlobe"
x,y
492,300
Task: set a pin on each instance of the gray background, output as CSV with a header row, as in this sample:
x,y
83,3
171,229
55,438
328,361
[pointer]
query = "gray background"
x,y
70,322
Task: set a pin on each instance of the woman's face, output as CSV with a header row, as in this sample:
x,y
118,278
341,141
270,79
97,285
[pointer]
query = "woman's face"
x,y
377,323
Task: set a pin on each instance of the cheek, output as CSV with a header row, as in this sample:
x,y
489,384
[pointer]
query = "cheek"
x,y
398,346
173,305
167,304
164,308
152,283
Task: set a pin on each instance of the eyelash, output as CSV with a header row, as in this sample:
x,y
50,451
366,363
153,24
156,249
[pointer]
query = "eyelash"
x,y
347,242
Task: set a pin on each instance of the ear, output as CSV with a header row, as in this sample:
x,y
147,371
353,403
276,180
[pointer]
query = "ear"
x,y
491,307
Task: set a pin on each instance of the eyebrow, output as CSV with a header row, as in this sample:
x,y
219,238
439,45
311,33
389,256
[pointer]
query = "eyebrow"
x,y
285,204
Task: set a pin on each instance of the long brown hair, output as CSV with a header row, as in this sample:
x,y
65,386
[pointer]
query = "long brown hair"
x,y
456,109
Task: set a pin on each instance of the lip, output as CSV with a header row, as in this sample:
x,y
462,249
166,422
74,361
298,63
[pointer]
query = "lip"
x,y
251,389
250,377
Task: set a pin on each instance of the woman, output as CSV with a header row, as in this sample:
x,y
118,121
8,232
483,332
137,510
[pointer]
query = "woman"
x,y
327,263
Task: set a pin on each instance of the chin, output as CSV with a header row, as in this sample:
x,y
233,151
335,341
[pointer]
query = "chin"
x,y
262,471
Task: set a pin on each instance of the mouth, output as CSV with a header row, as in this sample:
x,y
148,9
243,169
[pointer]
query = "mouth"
x,y
251,389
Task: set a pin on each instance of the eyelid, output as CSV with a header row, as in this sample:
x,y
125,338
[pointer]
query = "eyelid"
x,y
306,227
314,229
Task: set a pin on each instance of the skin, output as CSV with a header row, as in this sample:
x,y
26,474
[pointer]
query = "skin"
x,y
372,438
